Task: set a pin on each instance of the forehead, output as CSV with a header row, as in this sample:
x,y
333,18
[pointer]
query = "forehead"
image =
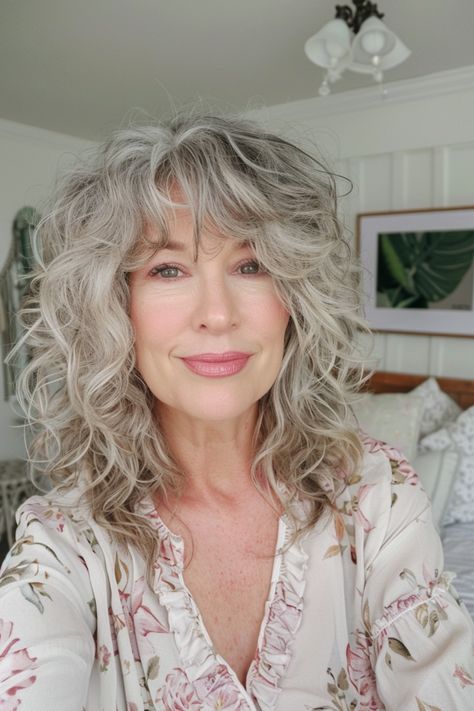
x,y
182,235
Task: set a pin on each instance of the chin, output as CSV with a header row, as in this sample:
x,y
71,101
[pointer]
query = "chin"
x,y
212,407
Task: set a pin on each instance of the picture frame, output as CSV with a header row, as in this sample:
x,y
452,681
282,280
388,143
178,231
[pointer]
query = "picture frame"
x,y
14,284
418,270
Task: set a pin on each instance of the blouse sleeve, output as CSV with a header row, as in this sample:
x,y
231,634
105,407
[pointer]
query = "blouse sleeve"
x,y
46,615
418,635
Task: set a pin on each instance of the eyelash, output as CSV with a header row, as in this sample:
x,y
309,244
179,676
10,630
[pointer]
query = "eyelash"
x,y
157,271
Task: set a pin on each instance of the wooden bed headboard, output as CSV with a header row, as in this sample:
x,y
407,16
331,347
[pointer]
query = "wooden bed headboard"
x,y
384,382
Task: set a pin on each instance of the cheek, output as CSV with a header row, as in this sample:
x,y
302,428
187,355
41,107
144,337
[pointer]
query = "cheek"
x,y
269,323
153,325
271,318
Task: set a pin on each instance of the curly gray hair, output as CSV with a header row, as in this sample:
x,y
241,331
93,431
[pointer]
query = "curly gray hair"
x,y
89,407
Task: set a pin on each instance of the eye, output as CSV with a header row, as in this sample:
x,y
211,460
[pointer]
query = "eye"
x,y
166,271
250,267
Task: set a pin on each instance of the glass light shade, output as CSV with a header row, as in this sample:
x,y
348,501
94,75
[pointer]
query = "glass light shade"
x,y
376,40
331,45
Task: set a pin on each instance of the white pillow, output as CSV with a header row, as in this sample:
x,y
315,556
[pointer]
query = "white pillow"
x,y
392,418
437,471
460,436
438,408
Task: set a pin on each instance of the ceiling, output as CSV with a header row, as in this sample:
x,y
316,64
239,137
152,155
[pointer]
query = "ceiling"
x,y
82,67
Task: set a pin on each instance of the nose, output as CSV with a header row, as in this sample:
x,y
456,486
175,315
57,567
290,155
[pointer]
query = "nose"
x,y
216,308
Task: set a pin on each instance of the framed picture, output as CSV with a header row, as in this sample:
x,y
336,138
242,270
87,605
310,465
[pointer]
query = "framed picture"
x,y
14,283
418,270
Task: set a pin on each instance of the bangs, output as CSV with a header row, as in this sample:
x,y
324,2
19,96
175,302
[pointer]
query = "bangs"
x,y
222,192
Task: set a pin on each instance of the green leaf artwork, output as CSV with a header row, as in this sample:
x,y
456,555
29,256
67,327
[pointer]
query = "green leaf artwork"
x,y
418,269
15,278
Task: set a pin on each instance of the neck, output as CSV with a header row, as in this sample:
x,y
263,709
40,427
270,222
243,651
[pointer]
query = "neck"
x,y
215,456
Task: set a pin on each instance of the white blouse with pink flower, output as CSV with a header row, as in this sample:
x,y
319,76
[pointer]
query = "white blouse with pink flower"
x,y
360,615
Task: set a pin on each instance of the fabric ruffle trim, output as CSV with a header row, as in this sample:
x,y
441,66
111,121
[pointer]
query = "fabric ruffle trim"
x,y
281,621
410,601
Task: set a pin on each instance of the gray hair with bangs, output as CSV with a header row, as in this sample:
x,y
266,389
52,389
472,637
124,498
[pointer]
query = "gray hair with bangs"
x,y
88,406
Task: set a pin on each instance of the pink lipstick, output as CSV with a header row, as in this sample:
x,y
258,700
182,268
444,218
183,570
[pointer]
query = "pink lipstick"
x,y
217,365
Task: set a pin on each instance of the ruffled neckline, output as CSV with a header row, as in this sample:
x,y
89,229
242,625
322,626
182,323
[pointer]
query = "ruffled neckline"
x,y
280,623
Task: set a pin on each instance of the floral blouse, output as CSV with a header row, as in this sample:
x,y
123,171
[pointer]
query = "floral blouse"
x,y
359,614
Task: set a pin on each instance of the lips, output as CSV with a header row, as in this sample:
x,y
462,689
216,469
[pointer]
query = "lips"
x,y
217,365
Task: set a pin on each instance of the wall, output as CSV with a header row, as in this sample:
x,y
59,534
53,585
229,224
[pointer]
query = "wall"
x,y
29,161
412,149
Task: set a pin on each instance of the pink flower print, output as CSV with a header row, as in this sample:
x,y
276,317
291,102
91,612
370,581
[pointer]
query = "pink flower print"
x,y
43,513
404,602
357,512
283,618
375,445
144,621
17,661
136,617
405,472
217,691
213,692
432,581
177,693
167,552
402,469
103,655
362,675
461,674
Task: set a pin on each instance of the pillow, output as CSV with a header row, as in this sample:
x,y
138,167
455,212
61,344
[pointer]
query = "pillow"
x,y
458,435
438,408
392,418
437,471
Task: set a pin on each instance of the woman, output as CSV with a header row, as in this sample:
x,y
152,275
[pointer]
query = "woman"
x,y
220,536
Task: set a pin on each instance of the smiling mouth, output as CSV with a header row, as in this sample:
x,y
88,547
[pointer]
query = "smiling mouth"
x,y
217,365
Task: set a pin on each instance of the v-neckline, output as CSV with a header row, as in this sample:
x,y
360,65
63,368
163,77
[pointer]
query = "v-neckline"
x,y
193,641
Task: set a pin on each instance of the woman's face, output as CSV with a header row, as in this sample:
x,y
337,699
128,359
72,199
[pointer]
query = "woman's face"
x,y
209,333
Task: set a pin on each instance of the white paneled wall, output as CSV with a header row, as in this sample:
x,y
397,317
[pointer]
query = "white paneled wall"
x,y
429,177
415,150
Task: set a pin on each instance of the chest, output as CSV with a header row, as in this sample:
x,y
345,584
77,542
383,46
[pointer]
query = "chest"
x,y
229,577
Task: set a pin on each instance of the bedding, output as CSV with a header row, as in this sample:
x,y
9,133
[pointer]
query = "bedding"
x,y
438,408
440,442
458,435
459,558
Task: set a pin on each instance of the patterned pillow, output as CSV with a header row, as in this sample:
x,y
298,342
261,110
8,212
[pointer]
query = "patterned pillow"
x,y
460,436
438,408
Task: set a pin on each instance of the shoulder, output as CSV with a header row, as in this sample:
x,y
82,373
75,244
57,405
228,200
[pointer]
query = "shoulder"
x,y
385,473
55,536
382,498
61,515
48,566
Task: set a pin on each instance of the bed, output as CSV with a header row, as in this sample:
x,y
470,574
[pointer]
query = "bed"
x,y
432,421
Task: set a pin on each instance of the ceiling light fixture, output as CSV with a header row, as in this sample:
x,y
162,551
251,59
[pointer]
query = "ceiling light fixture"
x,y
355,40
